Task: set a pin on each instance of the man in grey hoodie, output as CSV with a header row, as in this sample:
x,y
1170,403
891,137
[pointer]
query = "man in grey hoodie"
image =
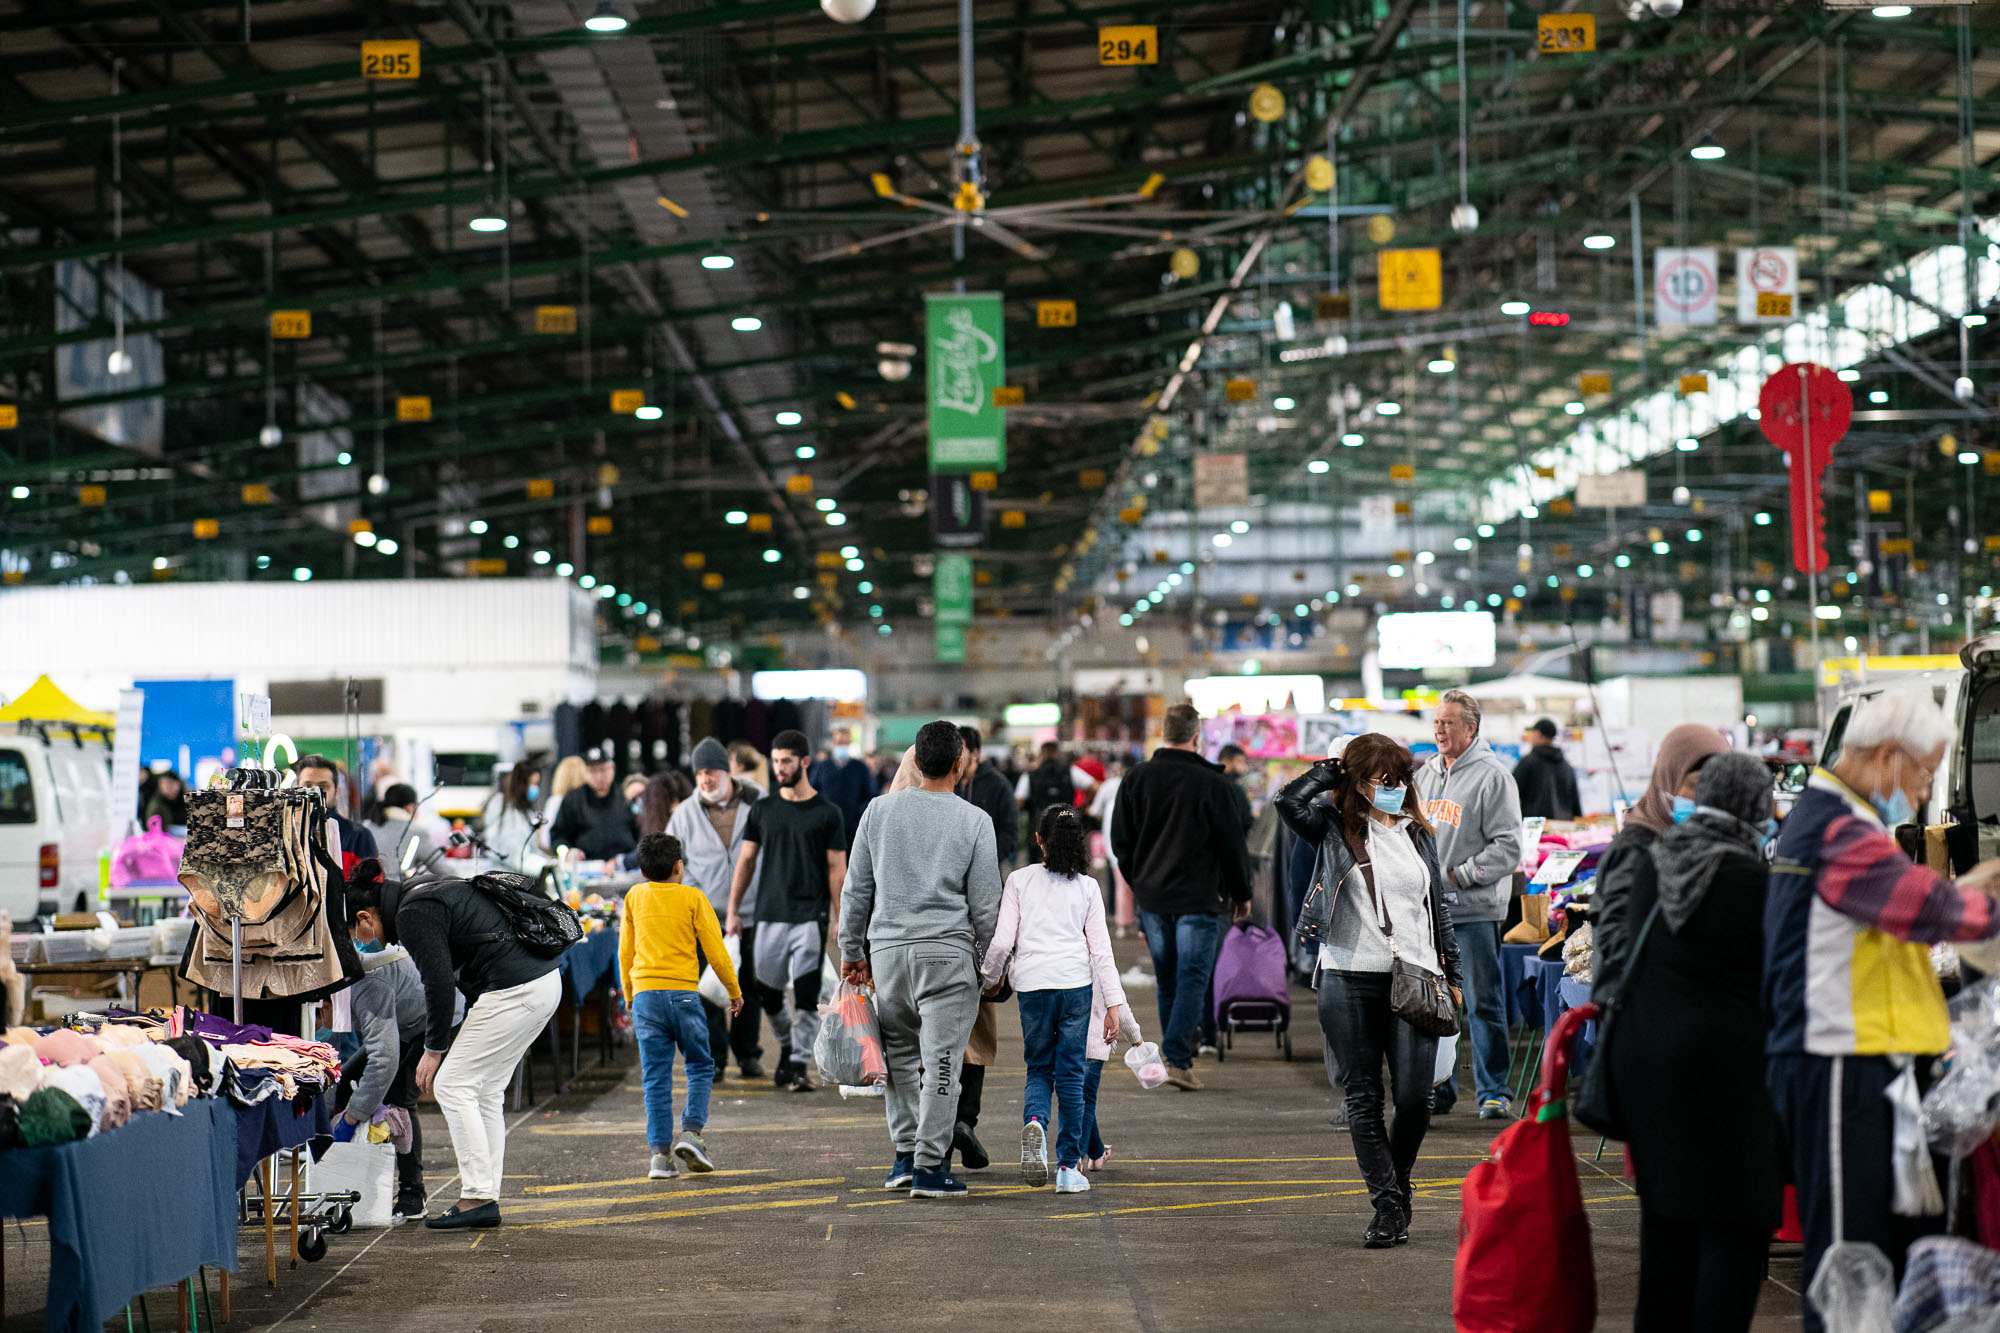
x,y
919,907
1472,802
710,828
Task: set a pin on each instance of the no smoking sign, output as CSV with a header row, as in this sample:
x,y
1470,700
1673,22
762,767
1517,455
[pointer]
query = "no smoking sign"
x,y
1684,285
1767,284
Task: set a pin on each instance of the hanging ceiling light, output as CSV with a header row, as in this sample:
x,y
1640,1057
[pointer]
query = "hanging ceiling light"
x,y
488,220
1708,150
606,18
847,11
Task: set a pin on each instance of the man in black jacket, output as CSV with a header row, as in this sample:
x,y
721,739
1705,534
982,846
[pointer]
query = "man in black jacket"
x,y
1547,782
989,789
462,942
1179,840
595,820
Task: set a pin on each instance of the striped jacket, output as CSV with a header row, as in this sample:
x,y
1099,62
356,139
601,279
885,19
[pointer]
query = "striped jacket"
x,y
1848,926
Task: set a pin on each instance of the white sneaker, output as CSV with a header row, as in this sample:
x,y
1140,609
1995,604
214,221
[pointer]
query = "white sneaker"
x,y
1034,1154
1069,1180
664,1167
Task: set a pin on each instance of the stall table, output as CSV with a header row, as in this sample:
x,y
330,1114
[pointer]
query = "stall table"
x,y
589,964
138,1207
135,968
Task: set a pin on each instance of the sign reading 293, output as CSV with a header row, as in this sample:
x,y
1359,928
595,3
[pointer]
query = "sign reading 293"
x,y
1565,34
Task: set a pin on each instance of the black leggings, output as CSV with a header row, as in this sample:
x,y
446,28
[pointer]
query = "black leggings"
x,y
1354,1014
1693,1276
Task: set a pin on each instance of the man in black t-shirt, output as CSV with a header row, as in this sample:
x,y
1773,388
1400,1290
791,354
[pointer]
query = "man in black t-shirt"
x,y
802,840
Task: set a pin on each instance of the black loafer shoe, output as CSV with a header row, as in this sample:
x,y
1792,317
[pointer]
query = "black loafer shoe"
x,y
970,1151
1381,1233
471,1219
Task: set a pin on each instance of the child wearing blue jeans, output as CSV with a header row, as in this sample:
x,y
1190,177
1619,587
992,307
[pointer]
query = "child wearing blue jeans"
x,y
669,930
1052,943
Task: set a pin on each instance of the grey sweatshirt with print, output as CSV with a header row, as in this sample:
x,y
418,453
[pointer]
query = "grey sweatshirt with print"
x,y
1475,809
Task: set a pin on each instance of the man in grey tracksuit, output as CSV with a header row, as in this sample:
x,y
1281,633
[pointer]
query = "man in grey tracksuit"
x,y
919,907
1471,801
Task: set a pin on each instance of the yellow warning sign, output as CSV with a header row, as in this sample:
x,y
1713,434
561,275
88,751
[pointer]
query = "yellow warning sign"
x,y
1411,279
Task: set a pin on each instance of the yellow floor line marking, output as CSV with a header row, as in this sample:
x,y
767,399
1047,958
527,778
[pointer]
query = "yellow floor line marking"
x,y
639,1127
829,1231
1214,1203
635,1180
475,1242
551,1205
567,1223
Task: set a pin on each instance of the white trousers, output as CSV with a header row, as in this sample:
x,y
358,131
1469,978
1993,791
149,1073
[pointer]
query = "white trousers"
x,y
471,1084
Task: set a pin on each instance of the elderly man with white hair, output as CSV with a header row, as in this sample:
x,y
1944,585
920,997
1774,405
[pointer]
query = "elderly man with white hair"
x,y
1849,988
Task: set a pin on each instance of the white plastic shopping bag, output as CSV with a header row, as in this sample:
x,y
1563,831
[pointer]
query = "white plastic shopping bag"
x,y
710,986
1144,1061
369,1169
1447,1060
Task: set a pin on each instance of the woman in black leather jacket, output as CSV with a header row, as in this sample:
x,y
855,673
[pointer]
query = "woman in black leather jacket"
x,y
1377,895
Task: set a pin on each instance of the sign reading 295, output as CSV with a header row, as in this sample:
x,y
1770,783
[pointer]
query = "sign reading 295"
x,y
389,60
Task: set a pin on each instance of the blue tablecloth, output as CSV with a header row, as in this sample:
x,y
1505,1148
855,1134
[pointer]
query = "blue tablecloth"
x,y
276,1123
138,1207
1522,998
587,961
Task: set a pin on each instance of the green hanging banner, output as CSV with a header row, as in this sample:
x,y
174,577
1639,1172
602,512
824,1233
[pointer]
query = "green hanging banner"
x,y
951,597
965,360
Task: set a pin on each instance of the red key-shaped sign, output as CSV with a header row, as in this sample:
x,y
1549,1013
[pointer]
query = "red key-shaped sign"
x,y
1804,409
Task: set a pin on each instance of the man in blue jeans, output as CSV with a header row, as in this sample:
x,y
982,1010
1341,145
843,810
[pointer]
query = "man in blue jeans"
x,y
1178,836
1475,809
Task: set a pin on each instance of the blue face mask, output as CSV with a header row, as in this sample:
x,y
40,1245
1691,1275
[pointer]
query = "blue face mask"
x,y
534,791
635,807
1895,808
368,946
1389,800
1770,831
840,753
1683,809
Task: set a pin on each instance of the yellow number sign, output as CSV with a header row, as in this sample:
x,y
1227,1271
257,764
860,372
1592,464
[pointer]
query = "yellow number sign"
x,y
1013,518
984,481
390,60
1009,395
759,523
627,401
413,408
1131,44
1879,502
256,493
486,569
598,525
1239,391
291,324
542,488
1593,382
555,319
90,495
828,559
1091,478
1693,384
711,580
799,483
1774,305
1402,472
693,560
1055,314
1411,279
1565,34
206,529
10,416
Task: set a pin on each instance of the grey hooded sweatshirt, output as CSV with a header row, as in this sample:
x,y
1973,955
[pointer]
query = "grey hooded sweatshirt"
x,y
388,1010
1476,810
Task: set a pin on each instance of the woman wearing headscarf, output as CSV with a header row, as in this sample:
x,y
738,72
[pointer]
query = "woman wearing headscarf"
x,y
1687,1069
1627,867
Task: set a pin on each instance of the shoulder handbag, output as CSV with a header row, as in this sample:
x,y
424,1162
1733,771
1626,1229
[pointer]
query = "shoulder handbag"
x,y
1417,995
1594,1103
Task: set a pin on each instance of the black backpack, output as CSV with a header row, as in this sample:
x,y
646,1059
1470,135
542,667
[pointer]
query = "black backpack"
x,y
539,923
1050,785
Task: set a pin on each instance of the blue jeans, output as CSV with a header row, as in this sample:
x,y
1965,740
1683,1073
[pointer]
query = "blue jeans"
x,y
1183,948
1485,1012
1093,1074
664,1020
1053,1026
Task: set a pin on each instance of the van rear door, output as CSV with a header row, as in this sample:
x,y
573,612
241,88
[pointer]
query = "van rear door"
x,y
21,838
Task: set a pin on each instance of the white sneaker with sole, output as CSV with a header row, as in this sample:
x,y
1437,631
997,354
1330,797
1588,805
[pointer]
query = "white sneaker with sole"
x,y
663,1167
1034,1154
1069,1180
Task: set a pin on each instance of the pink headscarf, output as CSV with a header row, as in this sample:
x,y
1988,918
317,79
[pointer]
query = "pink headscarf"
x,y
1684,748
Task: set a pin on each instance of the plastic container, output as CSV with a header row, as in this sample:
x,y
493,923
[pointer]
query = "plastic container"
x,y
69,946
1144,1061
125,942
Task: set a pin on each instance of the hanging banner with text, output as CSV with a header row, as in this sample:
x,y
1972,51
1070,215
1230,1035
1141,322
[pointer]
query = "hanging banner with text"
x,y
951,590
958,512
965,353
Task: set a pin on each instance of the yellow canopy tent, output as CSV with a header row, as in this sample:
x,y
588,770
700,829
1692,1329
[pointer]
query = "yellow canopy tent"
x,y
44,702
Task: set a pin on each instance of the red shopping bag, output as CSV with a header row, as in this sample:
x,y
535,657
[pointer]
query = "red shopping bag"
x,y
1524,1263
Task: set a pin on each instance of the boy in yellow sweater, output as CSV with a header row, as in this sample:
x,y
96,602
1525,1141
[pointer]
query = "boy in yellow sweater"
x,y
665,922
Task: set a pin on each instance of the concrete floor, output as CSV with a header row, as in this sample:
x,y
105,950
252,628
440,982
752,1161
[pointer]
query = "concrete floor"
x,y
1236,1207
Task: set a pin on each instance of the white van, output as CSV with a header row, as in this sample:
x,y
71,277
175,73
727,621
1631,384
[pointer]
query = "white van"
x,y
1968,781
55,814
